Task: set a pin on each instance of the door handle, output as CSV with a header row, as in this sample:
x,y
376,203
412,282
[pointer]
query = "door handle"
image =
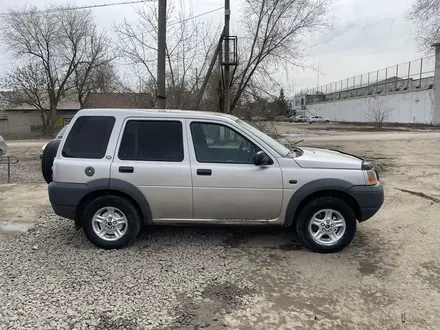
x,y
204,171
126,169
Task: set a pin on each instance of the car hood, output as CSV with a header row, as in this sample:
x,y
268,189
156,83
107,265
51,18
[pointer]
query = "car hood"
x,y
325,158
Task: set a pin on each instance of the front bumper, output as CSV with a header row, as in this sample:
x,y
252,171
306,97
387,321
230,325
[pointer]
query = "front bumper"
x,y
369,199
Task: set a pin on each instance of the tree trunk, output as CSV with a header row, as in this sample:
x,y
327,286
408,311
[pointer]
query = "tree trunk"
x,y
52,119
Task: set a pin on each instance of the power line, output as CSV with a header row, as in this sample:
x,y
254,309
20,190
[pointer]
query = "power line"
x,y
82,7
171,24
196,16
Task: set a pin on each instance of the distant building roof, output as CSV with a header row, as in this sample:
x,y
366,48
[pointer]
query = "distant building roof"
x,y
118,100
5,96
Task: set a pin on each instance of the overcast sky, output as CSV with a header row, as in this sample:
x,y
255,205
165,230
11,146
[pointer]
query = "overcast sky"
x,y
369,35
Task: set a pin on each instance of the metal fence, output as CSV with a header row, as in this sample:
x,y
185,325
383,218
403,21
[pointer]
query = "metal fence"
x,y
418,74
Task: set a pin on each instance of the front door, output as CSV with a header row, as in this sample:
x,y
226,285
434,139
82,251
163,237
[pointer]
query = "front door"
x,y
153,157
226,182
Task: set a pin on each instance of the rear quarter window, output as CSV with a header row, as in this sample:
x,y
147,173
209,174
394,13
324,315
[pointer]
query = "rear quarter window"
x,y
146,140
88,138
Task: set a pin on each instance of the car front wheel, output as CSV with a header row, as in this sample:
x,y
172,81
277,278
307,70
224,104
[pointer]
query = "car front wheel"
x,y
111,222
326,225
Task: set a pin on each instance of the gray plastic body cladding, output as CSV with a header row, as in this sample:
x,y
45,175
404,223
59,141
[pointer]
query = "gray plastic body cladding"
x,y
310,188
66,197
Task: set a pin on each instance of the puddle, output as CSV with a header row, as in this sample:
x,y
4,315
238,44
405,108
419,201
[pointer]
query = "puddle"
x,y
14,227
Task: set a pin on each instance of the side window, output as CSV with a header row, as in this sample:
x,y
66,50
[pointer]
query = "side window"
x,y
214,143
152,140
89,137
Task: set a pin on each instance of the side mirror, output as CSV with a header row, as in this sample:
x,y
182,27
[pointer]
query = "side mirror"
x,y
262,159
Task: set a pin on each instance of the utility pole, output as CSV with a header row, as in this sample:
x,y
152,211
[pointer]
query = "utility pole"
x,y
226,59
318,74
208,74
161,45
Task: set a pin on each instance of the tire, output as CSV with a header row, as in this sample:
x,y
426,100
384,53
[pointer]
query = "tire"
x,y
327,121
311,122
337,208
120,204
49,153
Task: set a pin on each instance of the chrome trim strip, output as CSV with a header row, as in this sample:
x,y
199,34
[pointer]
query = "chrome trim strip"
x,y
165,221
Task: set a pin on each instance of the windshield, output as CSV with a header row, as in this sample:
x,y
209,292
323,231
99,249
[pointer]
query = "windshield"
x,y
274,144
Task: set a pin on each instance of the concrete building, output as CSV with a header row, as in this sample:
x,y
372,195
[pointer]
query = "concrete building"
x,y
405,93
118,100
436,102
24,119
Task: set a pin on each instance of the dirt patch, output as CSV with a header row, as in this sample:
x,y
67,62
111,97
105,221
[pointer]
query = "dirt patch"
x,y
242,236
290,247
23,201
108,322
371,254
420,194
378,297
228,295
430,273
209,307
382,164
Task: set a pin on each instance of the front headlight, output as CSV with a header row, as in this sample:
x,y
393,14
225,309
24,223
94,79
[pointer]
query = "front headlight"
x,y
370,173
371,177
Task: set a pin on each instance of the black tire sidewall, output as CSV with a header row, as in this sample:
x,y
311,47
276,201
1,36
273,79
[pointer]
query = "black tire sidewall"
x,y
130,211
49,154
326,203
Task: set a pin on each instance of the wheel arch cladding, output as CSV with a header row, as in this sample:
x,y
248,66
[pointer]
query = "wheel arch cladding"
x,y
115,187
322,187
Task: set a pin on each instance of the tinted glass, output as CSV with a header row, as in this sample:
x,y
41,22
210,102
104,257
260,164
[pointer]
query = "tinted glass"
x,y
215,143
152,141
275,145
89,137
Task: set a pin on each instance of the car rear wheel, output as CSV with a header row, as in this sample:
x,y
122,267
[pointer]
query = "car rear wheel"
x,y
326,225
49,153
111,222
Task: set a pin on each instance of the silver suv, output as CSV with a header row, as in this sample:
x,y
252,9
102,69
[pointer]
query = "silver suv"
x,y
117,171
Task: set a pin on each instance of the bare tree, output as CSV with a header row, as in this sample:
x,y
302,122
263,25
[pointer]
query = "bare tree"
x,y
96,72
61,47
189,46
378,111
273,33
105,79
100,78
426,15
28,86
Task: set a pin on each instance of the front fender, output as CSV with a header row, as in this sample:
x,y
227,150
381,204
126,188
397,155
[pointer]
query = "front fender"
x,y
310,188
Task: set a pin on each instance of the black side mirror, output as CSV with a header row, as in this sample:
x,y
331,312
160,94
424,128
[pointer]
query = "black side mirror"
x,y
262,159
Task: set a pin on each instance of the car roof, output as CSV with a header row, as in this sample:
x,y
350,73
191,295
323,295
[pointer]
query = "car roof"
x,y
170,113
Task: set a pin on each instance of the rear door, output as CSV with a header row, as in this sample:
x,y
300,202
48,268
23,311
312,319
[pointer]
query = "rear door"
x,y
86,152
152,155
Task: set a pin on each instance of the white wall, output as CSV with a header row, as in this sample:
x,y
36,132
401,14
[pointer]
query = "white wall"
x,y
19,122
402,107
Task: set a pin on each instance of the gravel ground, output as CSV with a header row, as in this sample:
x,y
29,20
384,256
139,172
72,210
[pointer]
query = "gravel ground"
x,y
240,278
28,171
52,277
